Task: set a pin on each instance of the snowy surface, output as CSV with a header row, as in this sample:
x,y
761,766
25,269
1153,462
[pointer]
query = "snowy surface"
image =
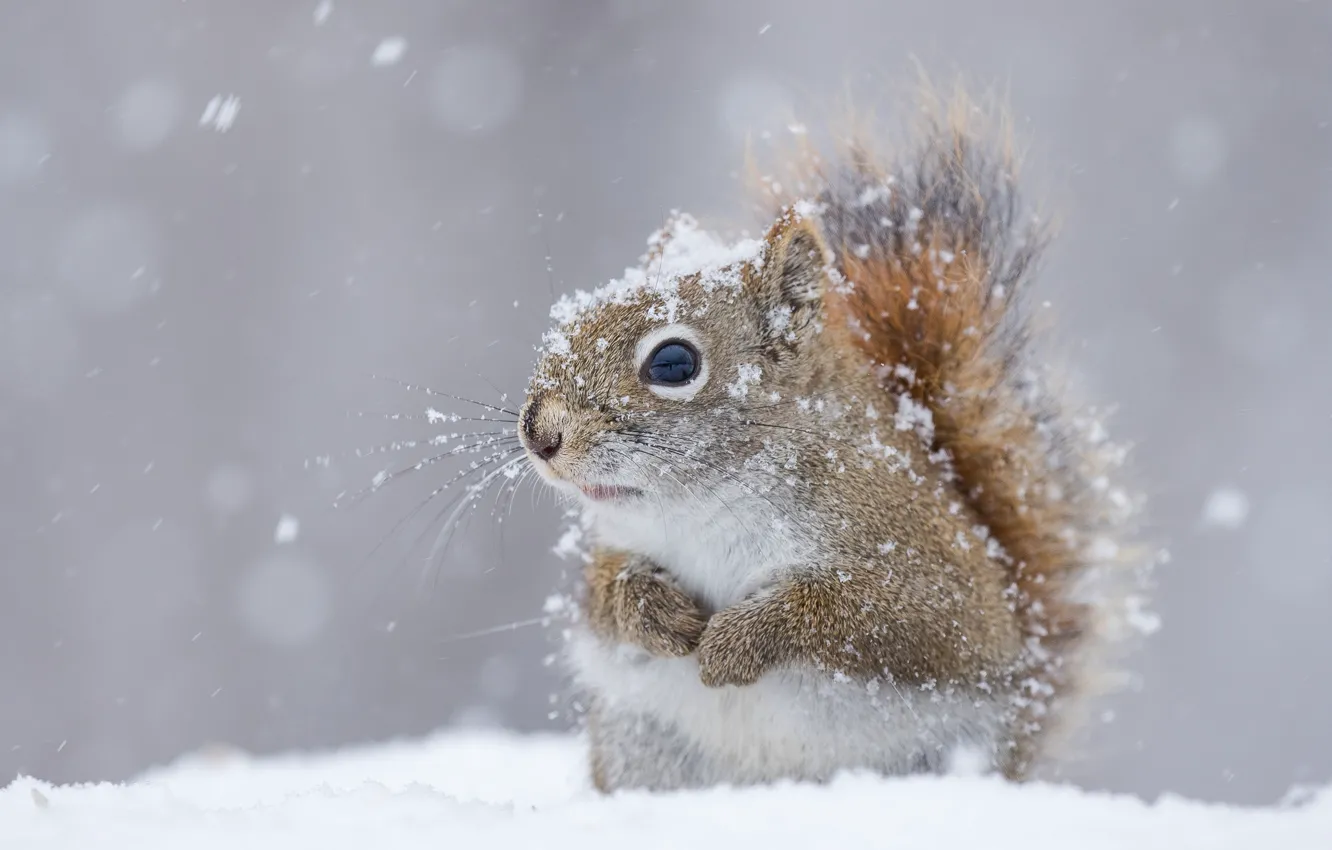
x,y
498,790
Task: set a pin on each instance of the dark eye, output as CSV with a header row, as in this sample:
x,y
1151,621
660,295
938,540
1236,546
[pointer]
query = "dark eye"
x,y
672,363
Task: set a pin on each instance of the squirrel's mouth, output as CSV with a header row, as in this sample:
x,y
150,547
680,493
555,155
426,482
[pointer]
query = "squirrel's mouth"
x,y
609,492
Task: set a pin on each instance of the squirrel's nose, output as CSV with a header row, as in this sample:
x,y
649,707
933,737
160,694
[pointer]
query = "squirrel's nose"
x,y
544,442
546,446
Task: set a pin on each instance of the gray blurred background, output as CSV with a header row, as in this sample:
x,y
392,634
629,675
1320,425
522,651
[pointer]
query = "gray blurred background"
x,y
193,298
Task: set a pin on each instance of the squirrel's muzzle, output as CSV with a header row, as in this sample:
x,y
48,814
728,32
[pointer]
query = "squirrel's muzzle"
x,y
541,433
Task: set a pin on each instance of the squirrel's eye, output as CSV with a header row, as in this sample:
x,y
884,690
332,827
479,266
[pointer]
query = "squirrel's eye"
x,y
672,363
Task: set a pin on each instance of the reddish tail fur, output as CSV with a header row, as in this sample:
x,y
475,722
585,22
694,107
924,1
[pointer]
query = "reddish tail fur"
x,y
937,250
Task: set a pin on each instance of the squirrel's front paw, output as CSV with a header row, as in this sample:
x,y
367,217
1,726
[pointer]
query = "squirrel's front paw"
x,y
655,614
735,648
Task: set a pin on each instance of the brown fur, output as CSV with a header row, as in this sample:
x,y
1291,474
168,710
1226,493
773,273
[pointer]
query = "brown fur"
x,y
918,626
903,279
631,600
944,300
847,619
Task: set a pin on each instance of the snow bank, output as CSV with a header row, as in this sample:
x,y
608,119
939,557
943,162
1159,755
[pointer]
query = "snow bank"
x,y
495,790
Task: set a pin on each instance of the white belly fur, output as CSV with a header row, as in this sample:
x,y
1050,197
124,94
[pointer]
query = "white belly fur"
x,y
789,724
792,723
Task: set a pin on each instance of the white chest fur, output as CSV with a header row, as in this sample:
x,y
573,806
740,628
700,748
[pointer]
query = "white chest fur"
x,y
796,723
720,551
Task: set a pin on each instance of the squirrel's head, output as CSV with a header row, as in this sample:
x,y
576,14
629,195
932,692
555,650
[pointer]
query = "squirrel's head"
x,y
645,389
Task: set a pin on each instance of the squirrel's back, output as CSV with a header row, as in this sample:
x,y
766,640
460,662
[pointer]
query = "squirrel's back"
x,y
935,250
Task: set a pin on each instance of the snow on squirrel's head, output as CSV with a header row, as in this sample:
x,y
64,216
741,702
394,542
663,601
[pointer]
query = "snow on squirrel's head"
x,y
658,368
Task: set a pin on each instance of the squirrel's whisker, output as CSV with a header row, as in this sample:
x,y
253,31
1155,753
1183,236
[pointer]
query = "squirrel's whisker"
x,y
642,447
495,630
689,450
403,445
466,499
383,479
433,392
721,471
527,475
656,496
412,514
432,416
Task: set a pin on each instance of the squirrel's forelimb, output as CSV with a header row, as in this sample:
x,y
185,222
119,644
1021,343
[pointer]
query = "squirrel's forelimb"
x,y
632,600
863,622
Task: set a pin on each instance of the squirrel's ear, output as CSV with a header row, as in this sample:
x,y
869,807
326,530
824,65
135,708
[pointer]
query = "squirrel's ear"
x,y
795,262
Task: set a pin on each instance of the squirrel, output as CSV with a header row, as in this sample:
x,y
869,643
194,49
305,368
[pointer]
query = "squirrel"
x,y
836,517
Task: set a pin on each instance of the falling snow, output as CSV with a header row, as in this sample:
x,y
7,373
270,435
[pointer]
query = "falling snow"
x,y
1226,507
220,113
389,51
288,528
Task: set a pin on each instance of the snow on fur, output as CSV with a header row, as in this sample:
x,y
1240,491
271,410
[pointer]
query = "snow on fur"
x,y
676,251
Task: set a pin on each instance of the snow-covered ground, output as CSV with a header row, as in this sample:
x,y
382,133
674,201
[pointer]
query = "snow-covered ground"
x,y
498,790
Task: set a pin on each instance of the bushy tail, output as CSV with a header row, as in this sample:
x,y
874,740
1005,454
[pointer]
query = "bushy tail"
x,y
937,249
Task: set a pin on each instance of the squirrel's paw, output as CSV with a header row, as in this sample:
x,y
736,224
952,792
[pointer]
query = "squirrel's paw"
x,y
732,650
653,613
